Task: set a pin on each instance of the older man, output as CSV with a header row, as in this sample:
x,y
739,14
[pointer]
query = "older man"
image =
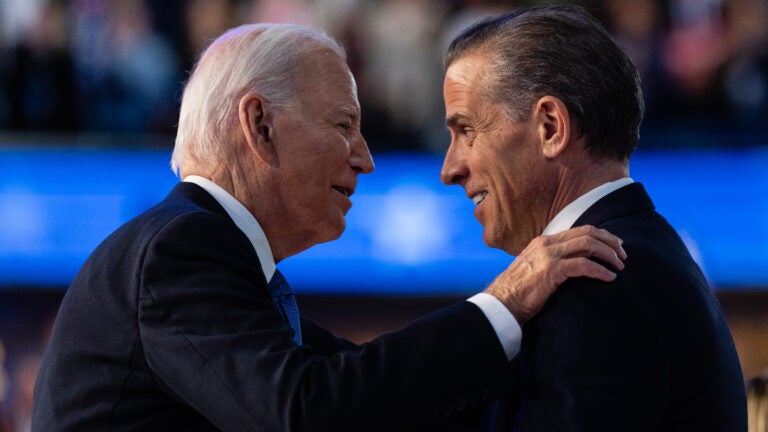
x,y
180,320
544,109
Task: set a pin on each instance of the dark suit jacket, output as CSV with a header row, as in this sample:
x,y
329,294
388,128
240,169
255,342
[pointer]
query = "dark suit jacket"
x,y
168,326
648,352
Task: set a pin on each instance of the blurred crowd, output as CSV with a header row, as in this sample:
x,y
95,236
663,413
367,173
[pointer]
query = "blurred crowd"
x,y
25,325
118,66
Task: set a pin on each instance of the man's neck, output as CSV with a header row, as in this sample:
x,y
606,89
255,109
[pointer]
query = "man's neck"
x,y
573,183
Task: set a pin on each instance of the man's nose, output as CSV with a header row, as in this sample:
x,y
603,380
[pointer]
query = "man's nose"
x,y
454,169
360,158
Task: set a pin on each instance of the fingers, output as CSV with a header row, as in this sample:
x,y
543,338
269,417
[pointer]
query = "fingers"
x,y
608,239
581,266
604,236
588,240
584,251
591,247
599,234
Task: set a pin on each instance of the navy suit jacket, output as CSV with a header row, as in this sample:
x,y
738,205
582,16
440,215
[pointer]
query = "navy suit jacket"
x,y
648,352
169,326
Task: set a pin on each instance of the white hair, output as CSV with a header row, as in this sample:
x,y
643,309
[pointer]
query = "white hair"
x,y
256,57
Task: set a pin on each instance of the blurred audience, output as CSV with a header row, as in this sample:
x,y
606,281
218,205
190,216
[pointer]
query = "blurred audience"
x,y
127,73
23,385
745,78
400,73
3,388
26,320
757,403
39,80
117,66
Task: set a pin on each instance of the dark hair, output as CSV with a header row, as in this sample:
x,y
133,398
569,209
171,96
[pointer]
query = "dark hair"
x,y
561,51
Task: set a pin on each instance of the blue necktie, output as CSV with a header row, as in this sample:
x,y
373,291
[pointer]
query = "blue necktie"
x,y
286,303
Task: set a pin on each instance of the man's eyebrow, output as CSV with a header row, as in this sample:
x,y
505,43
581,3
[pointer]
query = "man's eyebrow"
x,y
454,119
350,111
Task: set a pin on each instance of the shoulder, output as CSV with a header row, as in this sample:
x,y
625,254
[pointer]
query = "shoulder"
x,y
176,230
187,209
189,233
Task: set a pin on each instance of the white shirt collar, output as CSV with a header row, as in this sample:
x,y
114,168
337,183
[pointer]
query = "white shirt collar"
x,y
243,219
568,215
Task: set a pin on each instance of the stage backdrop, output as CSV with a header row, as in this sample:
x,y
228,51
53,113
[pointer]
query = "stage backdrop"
x,y
407,234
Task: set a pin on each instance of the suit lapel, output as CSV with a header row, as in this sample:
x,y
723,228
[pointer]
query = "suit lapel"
x,y
198,195
629,199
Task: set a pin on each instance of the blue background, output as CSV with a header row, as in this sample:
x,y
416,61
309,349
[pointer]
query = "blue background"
x,y
406,233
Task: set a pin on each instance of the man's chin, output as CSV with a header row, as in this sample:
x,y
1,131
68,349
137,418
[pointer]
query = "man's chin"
x,y
499,242
492,241
331,232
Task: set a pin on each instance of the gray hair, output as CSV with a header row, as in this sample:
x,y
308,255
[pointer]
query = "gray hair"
x,y
268,58
564,52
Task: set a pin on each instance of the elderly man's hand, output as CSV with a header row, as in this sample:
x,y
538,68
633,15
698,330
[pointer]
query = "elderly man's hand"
x,y
548,261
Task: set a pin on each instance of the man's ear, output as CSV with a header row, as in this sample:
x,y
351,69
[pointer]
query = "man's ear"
x,y
256,122
554,125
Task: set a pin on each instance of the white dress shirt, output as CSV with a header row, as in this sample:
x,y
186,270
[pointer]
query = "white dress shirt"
x,y
570,213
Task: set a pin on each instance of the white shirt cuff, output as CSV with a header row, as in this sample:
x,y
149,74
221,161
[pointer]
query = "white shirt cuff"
x,y
503,322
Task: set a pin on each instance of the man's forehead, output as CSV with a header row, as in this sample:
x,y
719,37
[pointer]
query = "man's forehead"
x,y
329,82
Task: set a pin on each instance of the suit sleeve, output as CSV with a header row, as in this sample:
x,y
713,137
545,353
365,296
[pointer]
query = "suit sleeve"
x,y
321,340
215,342
592,361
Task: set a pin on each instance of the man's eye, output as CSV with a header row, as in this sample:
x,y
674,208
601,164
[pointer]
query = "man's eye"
x,y
468,131
345,127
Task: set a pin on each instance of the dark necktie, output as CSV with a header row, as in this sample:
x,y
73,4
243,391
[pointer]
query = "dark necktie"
x,y
286,303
